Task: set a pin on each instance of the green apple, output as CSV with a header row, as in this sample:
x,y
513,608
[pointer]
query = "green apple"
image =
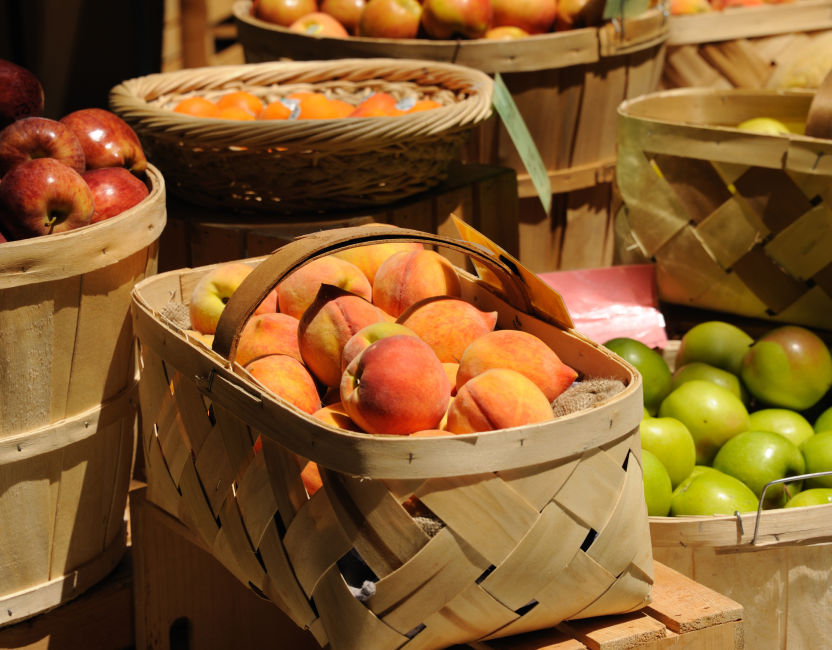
x,y
824,421
671,442
764,125
788,367
711,413
698,470
702,370
657,487
817,451
810,497
758,457
786,422
655,373
712,493
716,343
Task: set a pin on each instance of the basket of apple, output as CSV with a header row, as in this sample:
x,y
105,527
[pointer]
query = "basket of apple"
x,y
737,459
726,191
401,453
81,212
309,136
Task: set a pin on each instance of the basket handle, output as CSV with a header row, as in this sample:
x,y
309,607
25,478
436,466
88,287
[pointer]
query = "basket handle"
x,y
819,118
518,286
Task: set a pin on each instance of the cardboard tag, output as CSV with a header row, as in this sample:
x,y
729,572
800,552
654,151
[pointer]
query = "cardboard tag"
x,y
518,131
623,9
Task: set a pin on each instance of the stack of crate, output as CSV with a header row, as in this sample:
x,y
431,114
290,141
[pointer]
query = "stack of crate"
x,y
199,33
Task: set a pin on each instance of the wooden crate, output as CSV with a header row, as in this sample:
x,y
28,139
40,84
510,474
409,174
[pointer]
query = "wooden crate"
x,y
483,195
198,33
767,46
176,580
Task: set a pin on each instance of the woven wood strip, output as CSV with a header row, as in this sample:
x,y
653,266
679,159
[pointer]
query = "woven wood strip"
x,y
735,233
511,547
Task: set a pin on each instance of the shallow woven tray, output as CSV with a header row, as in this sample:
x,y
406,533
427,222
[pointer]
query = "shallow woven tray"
x,y
305,165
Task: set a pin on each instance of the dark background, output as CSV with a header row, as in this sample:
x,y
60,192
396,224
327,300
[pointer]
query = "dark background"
x,y
80,49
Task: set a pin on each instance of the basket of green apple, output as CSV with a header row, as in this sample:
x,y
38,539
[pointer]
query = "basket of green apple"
x,y
727,192
81,211
737,456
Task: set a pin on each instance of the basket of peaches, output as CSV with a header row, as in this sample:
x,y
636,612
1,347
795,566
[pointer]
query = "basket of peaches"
x,y
303,137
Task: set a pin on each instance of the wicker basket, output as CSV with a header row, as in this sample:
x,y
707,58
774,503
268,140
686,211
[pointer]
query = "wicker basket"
x,y
305,166
774,45
735,221
567,86
68,403
541,523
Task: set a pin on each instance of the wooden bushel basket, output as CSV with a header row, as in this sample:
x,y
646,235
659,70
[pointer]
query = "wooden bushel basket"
x,y
566,85
736,222
541,523
776,563
69,403
773,45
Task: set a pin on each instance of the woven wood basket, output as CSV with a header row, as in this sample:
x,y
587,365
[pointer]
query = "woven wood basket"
x,y
68,403
776,563
541,523
735,221
567,86
305,166
786,45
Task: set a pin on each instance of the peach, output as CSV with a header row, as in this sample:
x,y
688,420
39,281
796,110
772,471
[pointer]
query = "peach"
x,y
520,351
370,256
497,399
451,369
205,339
336,415
407,277
288,378
447,325
396,386
269,304
270,333
366,336
212,292
310,475
327,325
297,291
429,433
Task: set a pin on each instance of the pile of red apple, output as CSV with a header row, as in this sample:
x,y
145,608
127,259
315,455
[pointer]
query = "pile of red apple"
x,y
377,339
58,175
432,19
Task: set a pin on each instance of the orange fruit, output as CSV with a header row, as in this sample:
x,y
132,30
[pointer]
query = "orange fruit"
x,y
377,104
276,110
197,106
318,106
242,98
423,105
235,113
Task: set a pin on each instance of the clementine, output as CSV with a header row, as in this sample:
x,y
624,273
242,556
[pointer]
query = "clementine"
x,y
242,98
314,105
235,113
197,106
423,105
276,110
376,105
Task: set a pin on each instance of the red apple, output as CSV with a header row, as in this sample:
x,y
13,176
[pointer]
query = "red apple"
x,y
21,94
43,196
345,12
533,16
39,137
114,190
282,12
505,32
108,140
390,19
318,23
445,19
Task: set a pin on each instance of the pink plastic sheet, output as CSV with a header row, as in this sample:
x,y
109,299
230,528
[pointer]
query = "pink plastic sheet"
x,y
613,301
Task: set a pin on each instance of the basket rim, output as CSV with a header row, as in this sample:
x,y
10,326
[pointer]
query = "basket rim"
x,y
131,99
565,48
27,261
